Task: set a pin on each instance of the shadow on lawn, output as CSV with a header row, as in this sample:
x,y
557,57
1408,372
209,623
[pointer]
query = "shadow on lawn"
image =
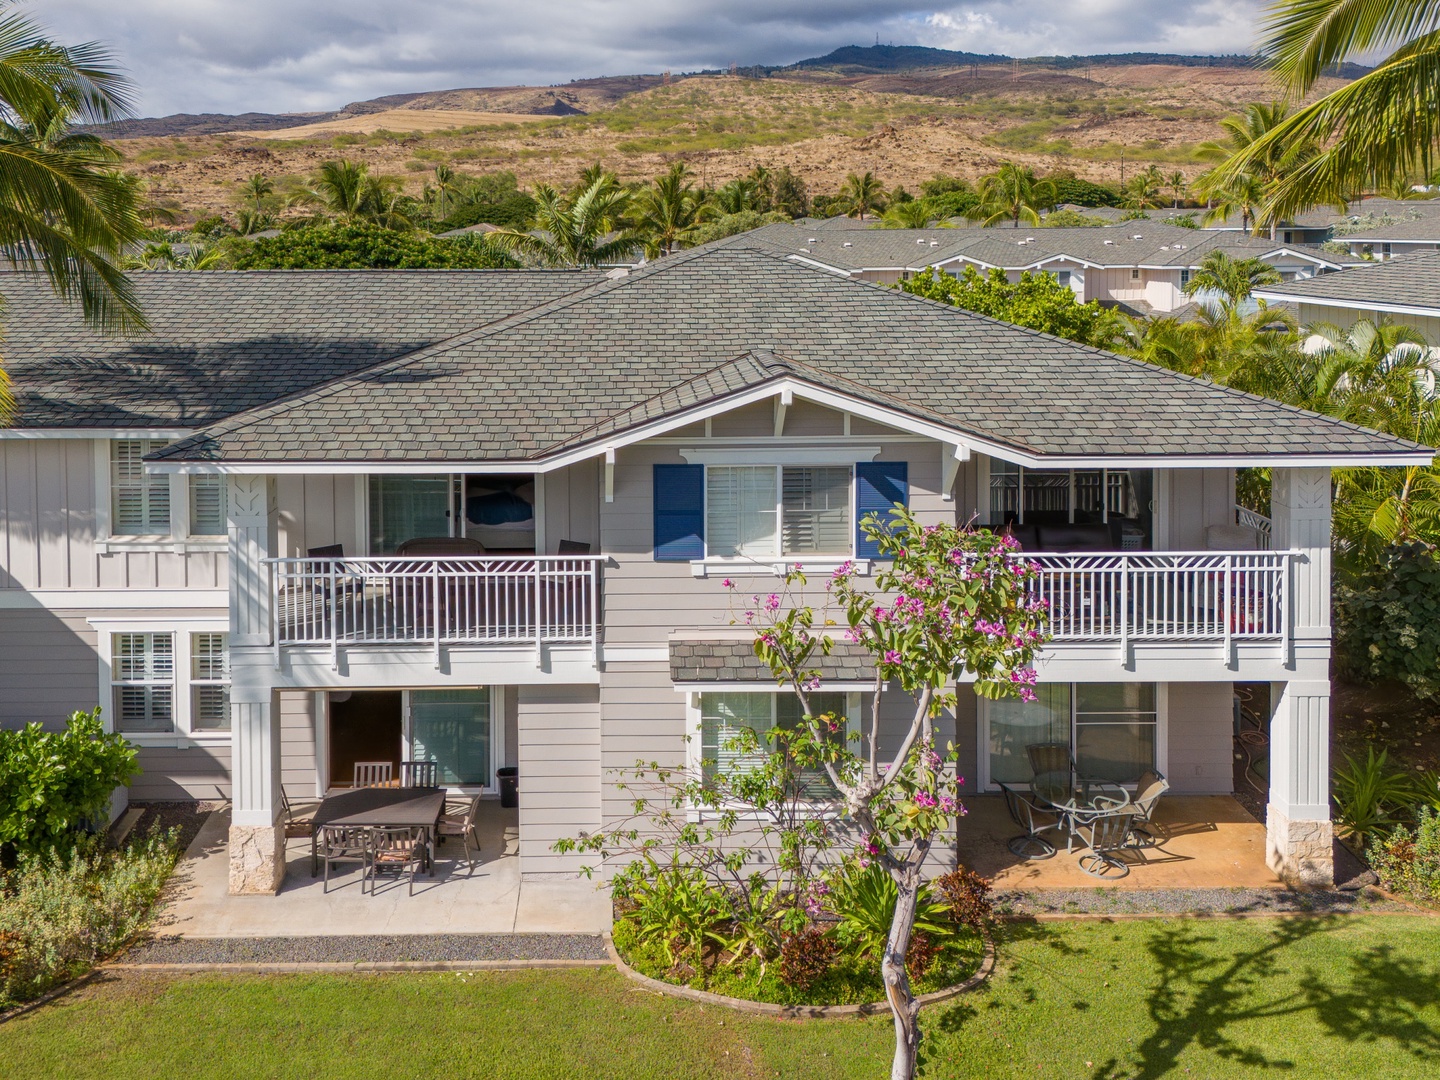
x,y
1201,990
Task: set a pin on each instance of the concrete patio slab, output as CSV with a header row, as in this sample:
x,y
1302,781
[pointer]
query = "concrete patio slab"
x,y
1211,843
489,898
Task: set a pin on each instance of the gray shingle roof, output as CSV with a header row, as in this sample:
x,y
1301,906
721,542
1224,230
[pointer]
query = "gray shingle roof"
x,y
708,660
1411,282
226,341
1424,230
531,385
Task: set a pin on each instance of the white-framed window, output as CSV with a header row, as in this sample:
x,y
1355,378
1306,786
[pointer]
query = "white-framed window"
x,y
165,680
209,681
768,510
722,715
143,681
1115,731
1134,273
139,509
1184,278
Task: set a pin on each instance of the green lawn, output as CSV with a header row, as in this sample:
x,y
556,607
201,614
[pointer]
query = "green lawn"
x,y
1306,997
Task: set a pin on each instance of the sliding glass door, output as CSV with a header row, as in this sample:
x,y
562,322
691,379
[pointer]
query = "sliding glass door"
x,y
454,728
1112,729
408,507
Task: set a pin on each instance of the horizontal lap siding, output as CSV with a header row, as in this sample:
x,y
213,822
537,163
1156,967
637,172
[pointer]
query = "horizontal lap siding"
x,y
48,667
297,743
1200,734
558,732
175,775
644,721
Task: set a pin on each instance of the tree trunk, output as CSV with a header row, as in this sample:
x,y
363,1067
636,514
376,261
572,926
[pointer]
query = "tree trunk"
x,y
903,1006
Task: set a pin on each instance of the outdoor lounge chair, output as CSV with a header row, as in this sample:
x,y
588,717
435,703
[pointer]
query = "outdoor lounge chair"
x,y
1050,757
393,851
1030,817
463,826
1105,835
1147,797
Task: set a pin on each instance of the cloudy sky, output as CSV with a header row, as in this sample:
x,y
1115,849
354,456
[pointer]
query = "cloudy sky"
x,y
298,55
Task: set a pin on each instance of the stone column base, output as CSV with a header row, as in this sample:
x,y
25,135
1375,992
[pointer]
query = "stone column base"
x,y
257,859
1300,852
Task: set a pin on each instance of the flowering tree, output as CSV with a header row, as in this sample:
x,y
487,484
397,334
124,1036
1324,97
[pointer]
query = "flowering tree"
x,y
952,601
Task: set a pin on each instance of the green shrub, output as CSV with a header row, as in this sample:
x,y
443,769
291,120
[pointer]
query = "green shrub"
x,y
53,783
674,908
1070,189
1387,620
1038,301
62,912
1370,796
806,957
1410,862
366,247
1072,219
864,899
731,224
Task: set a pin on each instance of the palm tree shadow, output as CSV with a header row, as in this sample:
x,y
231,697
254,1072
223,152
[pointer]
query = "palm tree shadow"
x,y
1201,993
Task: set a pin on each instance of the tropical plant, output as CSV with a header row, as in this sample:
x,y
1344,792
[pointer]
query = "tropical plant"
x,y
65,210
1143,190
347,190
1383,124
447,185
580,230
1037,300
716,228
1231,196
365,246
1387,620
674,907
666,213
1231,279
1409,862
1270,161
862,897
738,196
1369,795
788,193
257,189
1071,219
914,214
862,194
1179,187
1012,193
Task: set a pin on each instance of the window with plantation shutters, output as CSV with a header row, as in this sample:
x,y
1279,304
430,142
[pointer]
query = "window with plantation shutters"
x,y
726,751
741,510
207,505
815,510
139,501
143,677
209,682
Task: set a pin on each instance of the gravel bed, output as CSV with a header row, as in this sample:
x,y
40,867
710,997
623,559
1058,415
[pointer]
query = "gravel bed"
x,y
184,817
1190,902
367,948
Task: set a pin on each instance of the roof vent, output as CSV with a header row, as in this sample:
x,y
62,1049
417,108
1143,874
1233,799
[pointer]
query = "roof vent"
x,y
934,243
920,240
812,240
847,244
1110,243
1029,239
1137,236
1164,247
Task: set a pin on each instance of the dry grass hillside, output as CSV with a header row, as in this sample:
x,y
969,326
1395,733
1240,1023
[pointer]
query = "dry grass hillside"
x,y
904,126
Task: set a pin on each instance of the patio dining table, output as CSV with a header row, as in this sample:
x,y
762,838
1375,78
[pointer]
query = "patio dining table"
x,y
1075,802
381,808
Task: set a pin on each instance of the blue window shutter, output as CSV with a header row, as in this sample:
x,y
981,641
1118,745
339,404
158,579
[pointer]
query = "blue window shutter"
x,y
879,485
679,513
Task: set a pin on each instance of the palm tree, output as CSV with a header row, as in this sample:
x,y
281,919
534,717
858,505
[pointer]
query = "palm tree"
x,y
574,231
338,187
1384,123
1234,279
737,196
447,184
1143,190
64,208
862,194
1270,160
1178,186
1012,193
1243,195
257,189
668,211
914,214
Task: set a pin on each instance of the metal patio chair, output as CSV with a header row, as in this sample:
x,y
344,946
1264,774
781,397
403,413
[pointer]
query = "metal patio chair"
x,y
373,774
341,843
1147,797
419,774
393,851
1105,835
463,826
1025,813
1050,757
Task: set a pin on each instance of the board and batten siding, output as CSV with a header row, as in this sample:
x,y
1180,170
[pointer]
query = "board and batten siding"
x,y
558,731
1199,498
48,528
316,511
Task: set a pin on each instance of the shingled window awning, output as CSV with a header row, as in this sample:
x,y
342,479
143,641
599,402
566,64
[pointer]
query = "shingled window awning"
x,y
734,661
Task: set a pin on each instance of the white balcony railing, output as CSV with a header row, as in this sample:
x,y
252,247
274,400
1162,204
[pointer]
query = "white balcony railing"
x,y
1209,596
1253,519
436,601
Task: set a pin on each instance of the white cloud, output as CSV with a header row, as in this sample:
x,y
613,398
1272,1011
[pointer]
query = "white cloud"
x,y
273,55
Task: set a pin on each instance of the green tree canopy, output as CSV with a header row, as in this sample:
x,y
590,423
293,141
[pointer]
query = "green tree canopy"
x,y
364,246
1012,193
1037,301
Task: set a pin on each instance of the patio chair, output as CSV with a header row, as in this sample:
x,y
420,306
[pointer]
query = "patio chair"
x,y
294,826
373,774
1025,813
463,826
419,774
572,547
393,851
1050,757
1147,796
1105,835
341,843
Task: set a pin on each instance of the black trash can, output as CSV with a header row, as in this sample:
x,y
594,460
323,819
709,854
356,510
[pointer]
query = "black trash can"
x,y
509,778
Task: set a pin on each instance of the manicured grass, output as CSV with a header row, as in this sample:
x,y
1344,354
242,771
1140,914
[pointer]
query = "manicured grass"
x,y
1304,997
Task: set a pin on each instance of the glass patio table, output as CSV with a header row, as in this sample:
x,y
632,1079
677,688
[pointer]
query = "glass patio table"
x,y
1076,802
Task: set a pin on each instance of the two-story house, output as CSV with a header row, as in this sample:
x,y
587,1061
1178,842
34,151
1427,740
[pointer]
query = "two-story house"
x,y
1403,290
486,519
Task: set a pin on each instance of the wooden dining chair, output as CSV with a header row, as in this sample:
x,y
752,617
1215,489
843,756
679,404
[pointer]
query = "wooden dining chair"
x,y
393,851
373,774
295,824
419,774
341,843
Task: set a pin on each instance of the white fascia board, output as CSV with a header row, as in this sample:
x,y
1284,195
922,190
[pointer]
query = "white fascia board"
x,y
96,433
829,399
816,264
1351,305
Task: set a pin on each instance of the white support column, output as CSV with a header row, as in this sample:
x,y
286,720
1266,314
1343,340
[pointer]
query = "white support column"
x,y
1299,835
257,838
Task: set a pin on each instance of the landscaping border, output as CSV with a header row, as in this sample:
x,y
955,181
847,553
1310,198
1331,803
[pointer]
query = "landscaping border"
x,y
802,1012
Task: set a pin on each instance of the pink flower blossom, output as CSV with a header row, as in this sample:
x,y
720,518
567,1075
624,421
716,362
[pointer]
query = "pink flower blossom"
x,y
727,584
924,799
892,657
772,602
